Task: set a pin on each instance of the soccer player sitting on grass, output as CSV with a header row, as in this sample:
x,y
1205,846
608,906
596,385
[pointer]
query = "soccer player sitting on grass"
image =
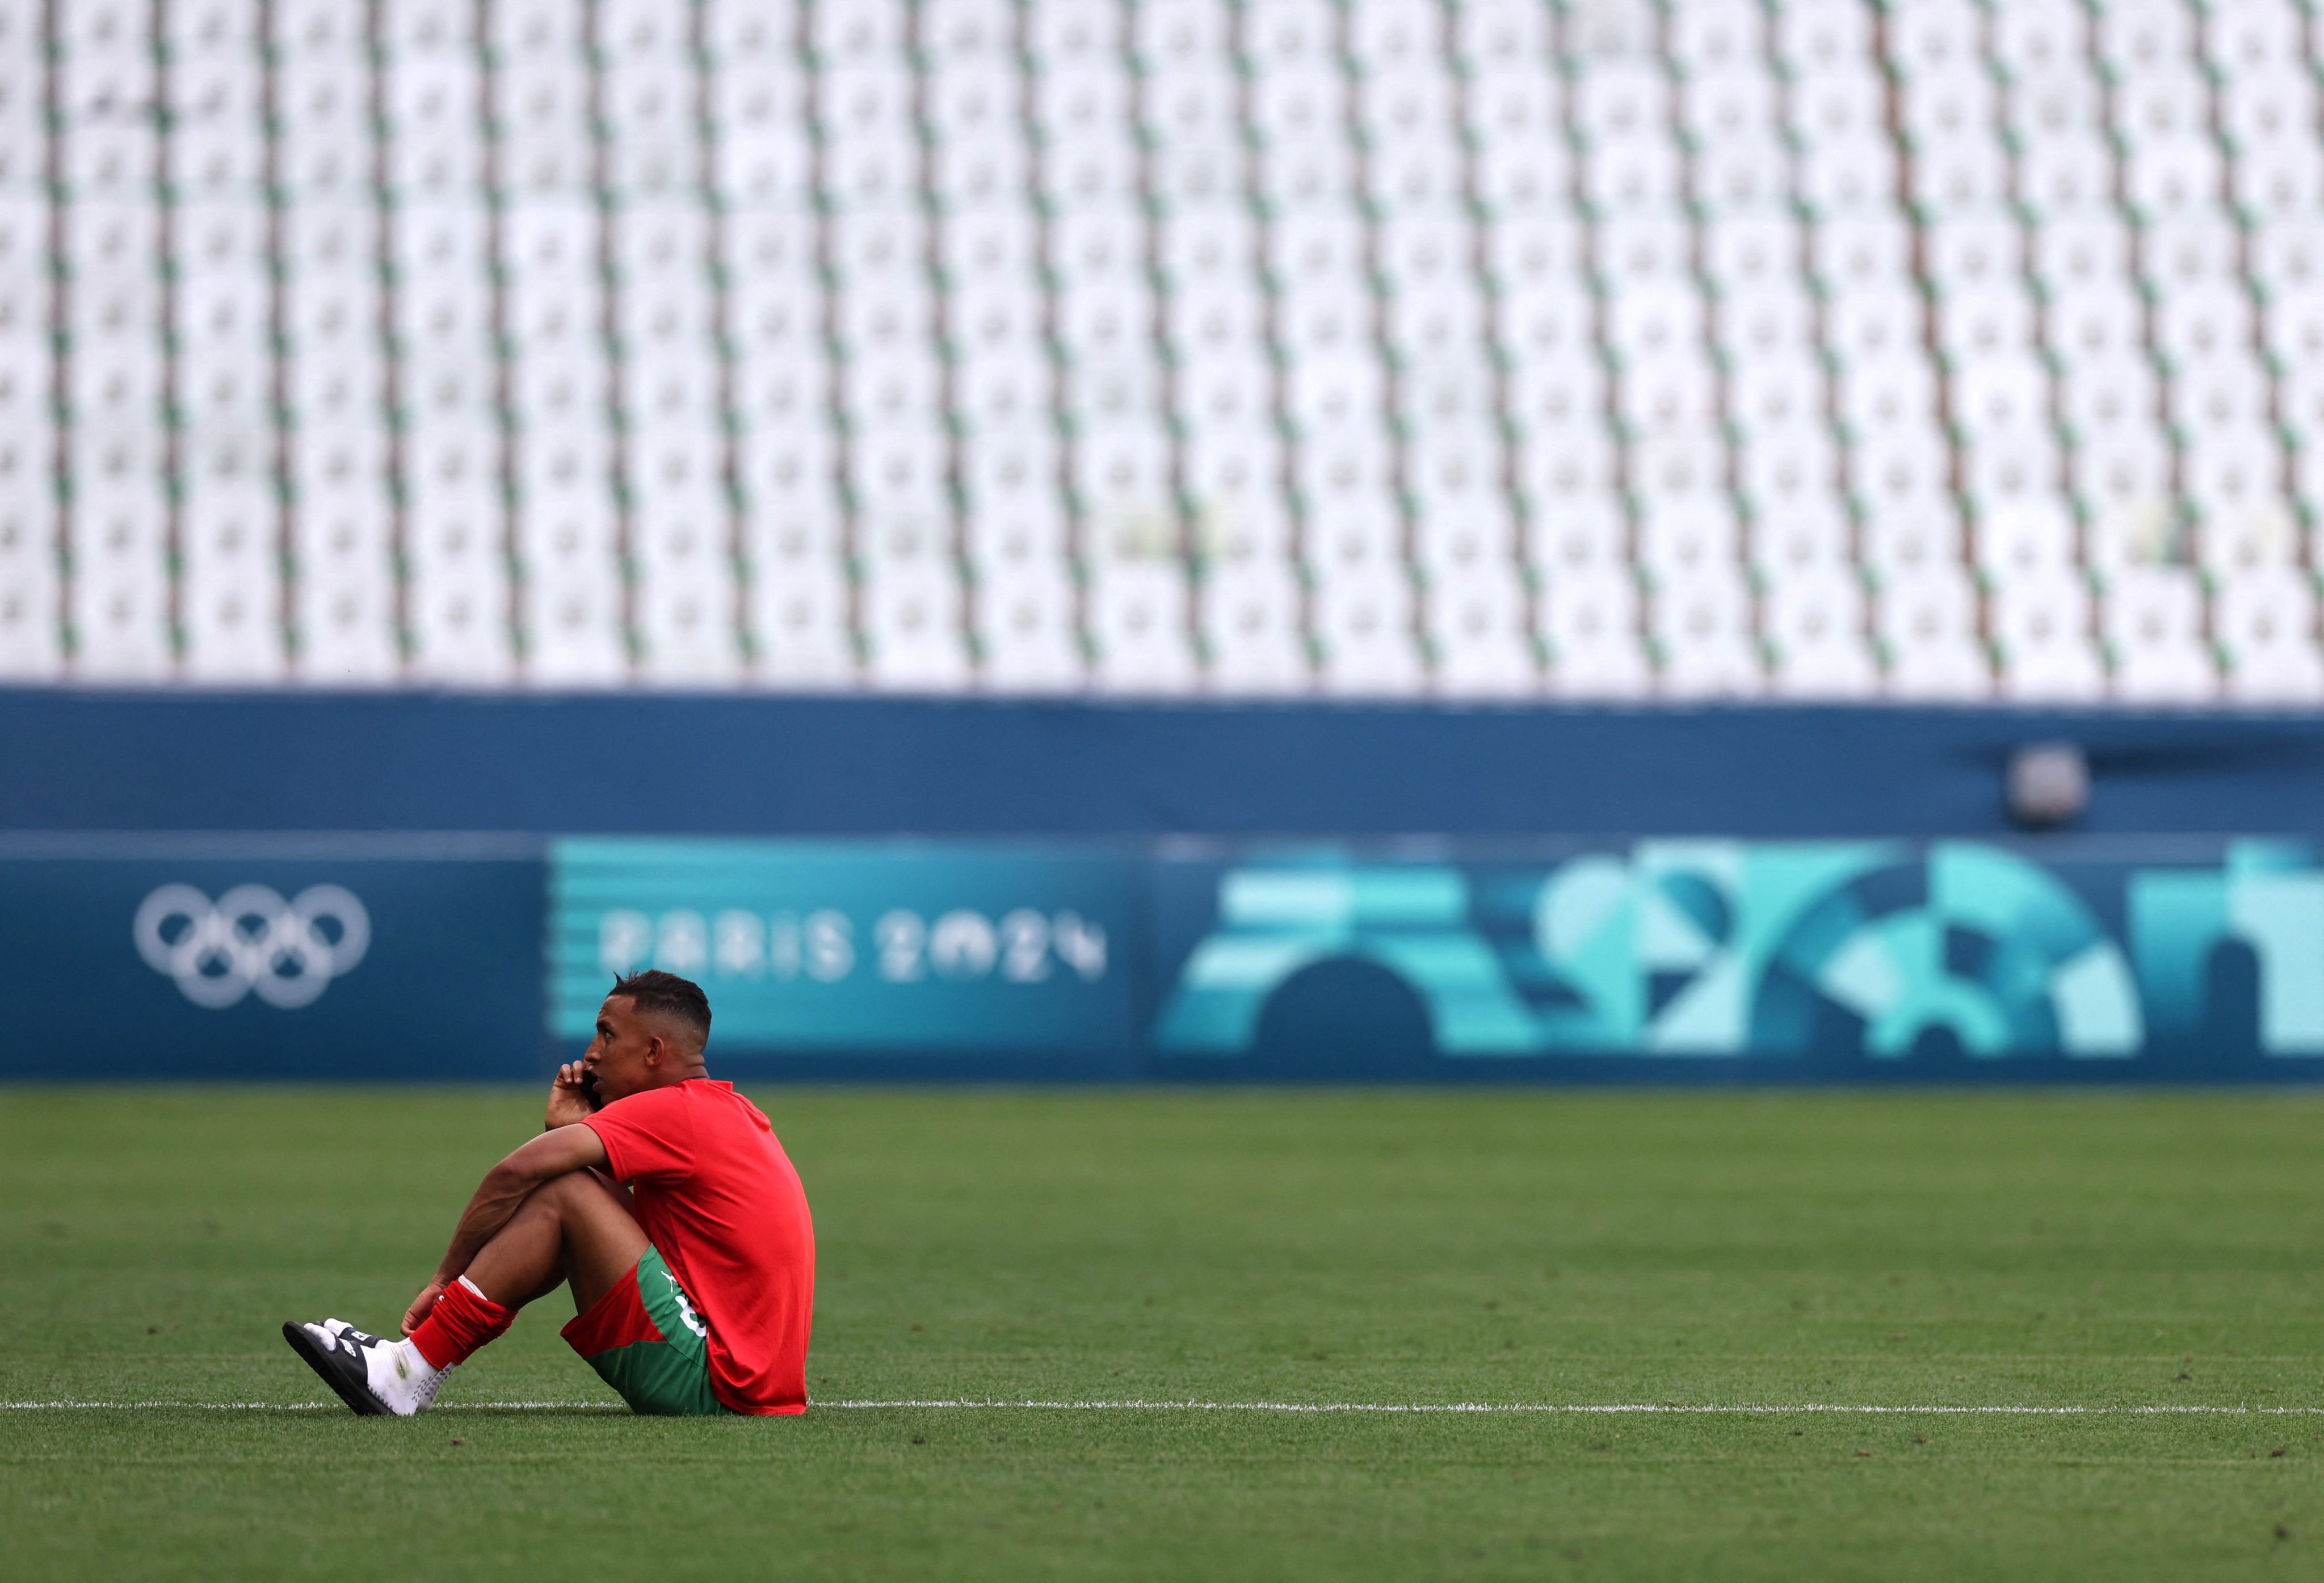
x,y
692,1291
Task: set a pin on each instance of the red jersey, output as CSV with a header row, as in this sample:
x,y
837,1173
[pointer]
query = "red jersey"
x,y
719,1200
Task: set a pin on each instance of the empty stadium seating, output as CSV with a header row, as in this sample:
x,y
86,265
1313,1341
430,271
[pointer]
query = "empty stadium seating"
x,y
1804,349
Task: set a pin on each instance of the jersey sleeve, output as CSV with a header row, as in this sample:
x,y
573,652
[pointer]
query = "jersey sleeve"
x,y
648,1137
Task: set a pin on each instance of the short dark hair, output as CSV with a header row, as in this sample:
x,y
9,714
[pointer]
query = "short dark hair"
x,y
658,994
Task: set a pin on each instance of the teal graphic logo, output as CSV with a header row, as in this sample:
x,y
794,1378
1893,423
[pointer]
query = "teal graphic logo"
x,y
1718,948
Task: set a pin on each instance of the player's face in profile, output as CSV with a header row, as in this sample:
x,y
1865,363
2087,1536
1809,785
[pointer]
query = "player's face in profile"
x,y
616,1058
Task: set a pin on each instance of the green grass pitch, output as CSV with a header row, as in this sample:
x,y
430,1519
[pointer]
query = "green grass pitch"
x,y
1915,1250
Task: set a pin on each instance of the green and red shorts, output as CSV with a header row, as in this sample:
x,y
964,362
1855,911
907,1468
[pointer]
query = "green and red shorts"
x,y
647,1340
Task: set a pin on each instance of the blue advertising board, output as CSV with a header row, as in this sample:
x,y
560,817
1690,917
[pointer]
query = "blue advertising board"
x,y
1740,960
2172,958
380,959
1025,958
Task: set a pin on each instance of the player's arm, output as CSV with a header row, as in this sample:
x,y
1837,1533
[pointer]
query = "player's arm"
x,y
505,1186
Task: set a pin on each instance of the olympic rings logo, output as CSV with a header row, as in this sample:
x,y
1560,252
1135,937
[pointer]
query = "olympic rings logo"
x,y
251,939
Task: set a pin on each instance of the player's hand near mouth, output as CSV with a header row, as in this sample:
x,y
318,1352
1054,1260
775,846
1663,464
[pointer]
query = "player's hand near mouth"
x,y
568,1096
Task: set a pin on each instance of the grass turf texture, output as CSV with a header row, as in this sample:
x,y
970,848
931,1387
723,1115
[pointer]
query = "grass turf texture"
x,y
1369,1246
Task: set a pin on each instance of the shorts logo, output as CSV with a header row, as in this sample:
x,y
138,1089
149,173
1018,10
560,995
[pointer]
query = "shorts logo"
x,y
251,939
685,1308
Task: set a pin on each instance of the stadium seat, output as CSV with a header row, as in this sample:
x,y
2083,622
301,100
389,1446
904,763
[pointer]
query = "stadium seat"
x,y
2151,619
2264,625
1027,631
1703,628
1813,622
2041,626
1139,627
1478,637
1927,624
1250,621
1364,623
912,627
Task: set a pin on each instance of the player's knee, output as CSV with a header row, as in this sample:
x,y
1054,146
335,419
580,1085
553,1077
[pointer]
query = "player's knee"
x,y
560,1195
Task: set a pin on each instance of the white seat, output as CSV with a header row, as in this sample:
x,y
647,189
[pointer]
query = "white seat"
x,y
2041,626
2129,529
2000,397
119,612
2281,176
898,470
2115,394
458,618
1417,170
2199,246
1896,391
2026,539
1233,486
1775,395
31,630
2097,320
1868,249
229,586
1961,174
2225,394
2250,543
2064,171
1676,393
1743,171
1973,250
1679,465
2229,475
573,630
911,627
1995,319
1460,510
1026,630
1842,169
1249,616
1363,630
685,607
1905,464
1681,537
2007,470
2287,260
1590,619
1479,635
2265,625
1813,622
1586,531
1771,324
1703,628
2165,177
1139,627
1926,620
797,613
1880,319
2202,320
1802,531
1434,321
345,626
2152,618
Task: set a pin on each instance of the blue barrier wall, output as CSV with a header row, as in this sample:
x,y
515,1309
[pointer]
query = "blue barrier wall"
x,y
1185,891
656,764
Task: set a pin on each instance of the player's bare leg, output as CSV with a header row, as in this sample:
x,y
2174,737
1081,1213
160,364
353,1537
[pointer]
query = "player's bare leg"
x,y
572,1229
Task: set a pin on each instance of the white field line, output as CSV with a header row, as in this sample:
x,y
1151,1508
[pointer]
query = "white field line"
x,y
1760,1409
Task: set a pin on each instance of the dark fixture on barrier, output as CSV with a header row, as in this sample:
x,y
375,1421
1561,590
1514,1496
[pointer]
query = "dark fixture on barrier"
x,y
2048,784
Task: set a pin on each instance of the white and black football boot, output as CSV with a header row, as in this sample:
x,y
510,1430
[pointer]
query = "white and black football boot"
x,y
376,1376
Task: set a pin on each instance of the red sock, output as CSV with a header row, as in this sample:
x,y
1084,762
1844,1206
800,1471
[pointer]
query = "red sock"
x,y
463,1320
